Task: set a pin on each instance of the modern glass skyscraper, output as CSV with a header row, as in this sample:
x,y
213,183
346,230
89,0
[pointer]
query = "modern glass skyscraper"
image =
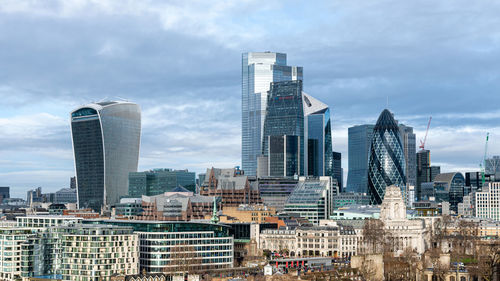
x,y
410,151
285,117
318,133
106,139
360,138
386,165
259,69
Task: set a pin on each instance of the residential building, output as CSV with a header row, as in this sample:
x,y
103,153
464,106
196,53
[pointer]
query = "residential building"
x,y
259,70
166,246
487,202
159,181
409,148
231,186
318,134
283,138
275,191
312,199
106,139
98,252
359,142
386,165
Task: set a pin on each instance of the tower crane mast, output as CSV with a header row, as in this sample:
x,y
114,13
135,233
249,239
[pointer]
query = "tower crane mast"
x,y
422,143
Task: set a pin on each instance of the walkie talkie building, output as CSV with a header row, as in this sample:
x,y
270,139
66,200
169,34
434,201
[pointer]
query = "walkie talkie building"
x,y
106,139
386,165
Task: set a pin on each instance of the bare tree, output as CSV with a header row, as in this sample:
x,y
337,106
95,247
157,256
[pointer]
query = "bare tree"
x,y
374,236
488,260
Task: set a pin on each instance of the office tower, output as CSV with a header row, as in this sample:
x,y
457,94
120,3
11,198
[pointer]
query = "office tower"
x,y
106,138
312,199
425,172
492,165
337,169
4,193
275,191
449,187
487,202
409,148
284,156
360,138
318,133
386,165
72,182
285,117
259,69
159,181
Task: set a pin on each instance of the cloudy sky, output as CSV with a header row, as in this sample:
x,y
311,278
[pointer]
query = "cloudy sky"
x,y
181,61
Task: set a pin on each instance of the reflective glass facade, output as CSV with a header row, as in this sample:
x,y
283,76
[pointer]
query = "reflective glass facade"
x,y
259,69
318,132
106,138
285,117
359,142
159,181
410,150
386,165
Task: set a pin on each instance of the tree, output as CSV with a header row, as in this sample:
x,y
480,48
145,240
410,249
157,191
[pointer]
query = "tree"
x,y
374,236
488,260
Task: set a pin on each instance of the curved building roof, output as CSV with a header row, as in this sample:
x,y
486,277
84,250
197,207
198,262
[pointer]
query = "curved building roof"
x,y
445,177
386,121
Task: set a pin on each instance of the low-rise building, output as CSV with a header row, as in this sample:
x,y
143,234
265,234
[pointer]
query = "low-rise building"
x,y
246,213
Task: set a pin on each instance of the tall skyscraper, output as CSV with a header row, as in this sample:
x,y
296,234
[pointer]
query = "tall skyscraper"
x,y
259,69
106,138
318,133
337,169
425,172
285,117
409,148
359,142
386,165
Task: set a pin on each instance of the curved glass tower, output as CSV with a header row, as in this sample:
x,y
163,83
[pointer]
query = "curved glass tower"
x,y
106,139
386,164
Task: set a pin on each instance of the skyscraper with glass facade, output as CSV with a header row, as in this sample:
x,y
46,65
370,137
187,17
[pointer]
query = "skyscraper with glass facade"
x,y
285,117
259,70
410,150
318,133
386,165
106,139
359,141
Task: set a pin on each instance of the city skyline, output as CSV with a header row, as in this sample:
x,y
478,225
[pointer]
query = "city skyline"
x,y
355,76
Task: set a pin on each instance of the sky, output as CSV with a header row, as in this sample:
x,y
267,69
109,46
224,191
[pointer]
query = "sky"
x,y
181,62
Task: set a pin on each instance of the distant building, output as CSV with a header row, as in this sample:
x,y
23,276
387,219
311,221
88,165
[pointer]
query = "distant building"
x,y
386,165
409,148
449,187
350,198
356,212
65,195
425,172
487,202
274,192
259,70
283,139
360,138
159,181
493,165
34,196
312,199
106,138
231,186
72,182
246,213
337,169
4,193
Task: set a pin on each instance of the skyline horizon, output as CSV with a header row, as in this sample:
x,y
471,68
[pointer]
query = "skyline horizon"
x,y
181,62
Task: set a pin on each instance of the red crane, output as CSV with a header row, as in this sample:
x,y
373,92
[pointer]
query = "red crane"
x,y
422,143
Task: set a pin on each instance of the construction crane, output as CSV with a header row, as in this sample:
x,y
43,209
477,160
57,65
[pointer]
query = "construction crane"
x,y
483,164
422,143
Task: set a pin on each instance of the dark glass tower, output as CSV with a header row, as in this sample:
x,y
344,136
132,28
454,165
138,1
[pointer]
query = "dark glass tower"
x,y
285,117
360,138
106,138
386,165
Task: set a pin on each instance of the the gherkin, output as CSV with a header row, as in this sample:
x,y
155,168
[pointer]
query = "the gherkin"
x,y
386,164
